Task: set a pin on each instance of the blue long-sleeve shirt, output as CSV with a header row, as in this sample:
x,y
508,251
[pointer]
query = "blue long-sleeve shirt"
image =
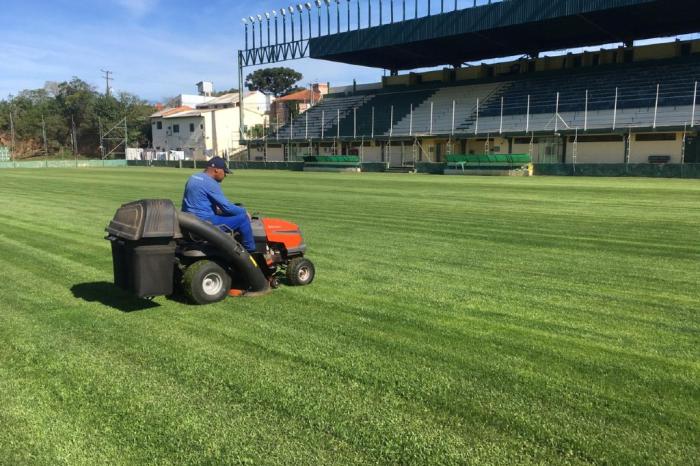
x,y
203,195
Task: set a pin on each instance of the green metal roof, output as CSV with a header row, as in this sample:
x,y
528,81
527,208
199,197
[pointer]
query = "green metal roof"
x,y
507,28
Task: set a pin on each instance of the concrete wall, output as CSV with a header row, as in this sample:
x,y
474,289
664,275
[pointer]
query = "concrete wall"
x,y
225,131
464,74
587,152
546,63
373,153
614,152
274,154
432,76
597,152
656,51
641,150
194,143
525,148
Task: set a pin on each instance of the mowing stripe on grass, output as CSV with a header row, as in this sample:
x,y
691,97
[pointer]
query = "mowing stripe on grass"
x,y
452,321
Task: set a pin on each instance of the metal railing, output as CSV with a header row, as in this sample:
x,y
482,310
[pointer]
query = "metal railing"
x,y
670,106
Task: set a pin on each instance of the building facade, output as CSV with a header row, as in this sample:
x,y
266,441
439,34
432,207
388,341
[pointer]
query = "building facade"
x,y
209,129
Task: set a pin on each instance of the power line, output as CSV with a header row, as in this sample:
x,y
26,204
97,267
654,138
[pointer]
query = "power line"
x,y
108,77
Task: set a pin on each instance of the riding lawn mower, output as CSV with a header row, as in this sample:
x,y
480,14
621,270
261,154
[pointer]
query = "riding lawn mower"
x,y
159,251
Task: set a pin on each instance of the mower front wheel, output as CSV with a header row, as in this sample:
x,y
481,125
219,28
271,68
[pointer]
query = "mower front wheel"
x,y
300,271
205,282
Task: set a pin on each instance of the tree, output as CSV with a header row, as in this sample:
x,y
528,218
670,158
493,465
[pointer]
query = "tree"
x,y
55,106
275,81
233,90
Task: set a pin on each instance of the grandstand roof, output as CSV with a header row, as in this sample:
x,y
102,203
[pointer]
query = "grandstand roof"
x,y
507,28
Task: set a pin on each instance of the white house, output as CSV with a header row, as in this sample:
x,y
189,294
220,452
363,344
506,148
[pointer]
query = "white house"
x,y
211,128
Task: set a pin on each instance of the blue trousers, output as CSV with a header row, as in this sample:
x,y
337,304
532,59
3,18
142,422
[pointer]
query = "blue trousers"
x,y
239,223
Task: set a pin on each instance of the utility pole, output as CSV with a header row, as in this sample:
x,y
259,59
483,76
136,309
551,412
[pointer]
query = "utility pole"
x,y
43,132
12,133
108,77
102,142
74,137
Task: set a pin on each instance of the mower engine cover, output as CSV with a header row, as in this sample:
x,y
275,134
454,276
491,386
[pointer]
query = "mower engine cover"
x,y
273,231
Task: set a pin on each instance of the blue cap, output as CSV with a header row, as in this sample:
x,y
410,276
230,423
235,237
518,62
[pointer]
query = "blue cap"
x,y
218,162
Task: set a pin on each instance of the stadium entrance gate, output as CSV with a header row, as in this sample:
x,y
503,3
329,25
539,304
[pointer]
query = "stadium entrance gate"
x,y
551,150
692,149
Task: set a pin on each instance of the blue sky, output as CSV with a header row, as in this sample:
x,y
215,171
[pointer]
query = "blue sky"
x,y
156,48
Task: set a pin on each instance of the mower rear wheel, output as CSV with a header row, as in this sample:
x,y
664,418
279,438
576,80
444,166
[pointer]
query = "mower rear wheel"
x,y
205,282
300,271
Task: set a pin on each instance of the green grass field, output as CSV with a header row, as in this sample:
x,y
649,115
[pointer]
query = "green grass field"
x,y
452,320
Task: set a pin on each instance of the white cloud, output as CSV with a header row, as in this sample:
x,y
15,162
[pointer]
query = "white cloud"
x,y
138,8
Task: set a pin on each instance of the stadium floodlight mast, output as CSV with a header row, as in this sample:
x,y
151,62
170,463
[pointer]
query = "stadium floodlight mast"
x,y
267,17
284,25
348,5
291,20
308,11
260,26
252,22
318,11
274,13
245,22
300,7
369,13
381,12
328,16
337,14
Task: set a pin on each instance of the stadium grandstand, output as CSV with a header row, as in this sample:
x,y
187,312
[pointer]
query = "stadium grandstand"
x,y
627,103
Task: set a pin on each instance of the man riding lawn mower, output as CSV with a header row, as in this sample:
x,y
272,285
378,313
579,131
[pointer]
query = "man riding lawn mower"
x,y
157,250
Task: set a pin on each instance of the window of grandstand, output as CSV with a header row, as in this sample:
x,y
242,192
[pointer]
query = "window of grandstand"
x,y
176,128
191,127
159,125
524,140
656,137
597,138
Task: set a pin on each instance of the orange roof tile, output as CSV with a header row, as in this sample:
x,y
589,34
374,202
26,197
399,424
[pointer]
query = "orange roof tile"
x,y
303,95
171,111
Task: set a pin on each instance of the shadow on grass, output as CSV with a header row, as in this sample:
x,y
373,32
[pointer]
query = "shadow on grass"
x,y
109,295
